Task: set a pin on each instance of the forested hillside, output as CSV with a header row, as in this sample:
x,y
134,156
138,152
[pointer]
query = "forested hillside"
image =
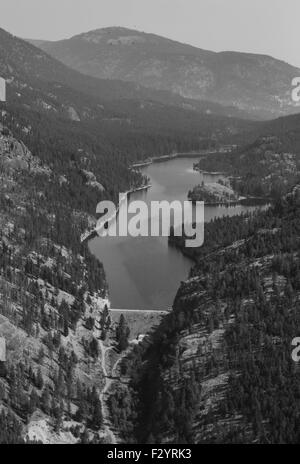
x,y
49,285
220,367
36,79
267,167
257,85
118,121
61,152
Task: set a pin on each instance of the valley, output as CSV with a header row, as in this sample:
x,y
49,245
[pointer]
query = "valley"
x,y
246,85
143,340
145,272
199,357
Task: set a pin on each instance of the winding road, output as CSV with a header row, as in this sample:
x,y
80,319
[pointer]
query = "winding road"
x,y
108,382
105,411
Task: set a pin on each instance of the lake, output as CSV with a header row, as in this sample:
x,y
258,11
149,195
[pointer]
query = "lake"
x,y
144,272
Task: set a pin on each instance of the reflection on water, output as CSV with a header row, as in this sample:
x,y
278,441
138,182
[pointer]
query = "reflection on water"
x,y
144,272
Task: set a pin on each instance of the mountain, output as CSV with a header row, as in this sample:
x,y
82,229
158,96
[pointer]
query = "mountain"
x,y
218,368
122,117
24,61
221,362
45,277
54,169
265,168
257,84
64,148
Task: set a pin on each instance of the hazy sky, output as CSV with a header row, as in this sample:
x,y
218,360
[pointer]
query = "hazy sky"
x,y
259,26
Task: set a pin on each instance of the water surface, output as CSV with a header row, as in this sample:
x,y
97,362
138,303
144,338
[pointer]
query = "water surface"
x,y
145,273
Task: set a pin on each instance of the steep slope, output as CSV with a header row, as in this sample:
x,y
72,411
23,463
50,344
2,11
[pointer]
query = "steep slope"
x,y
63,345
269,166
115,112
241,312
51,377
54,169
257,84
220,368
24,61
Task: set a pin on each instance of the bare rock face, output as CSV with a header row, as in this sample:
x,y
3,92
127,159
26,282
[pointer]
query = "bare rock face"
x,y
73,115
258,84
15,156
92,181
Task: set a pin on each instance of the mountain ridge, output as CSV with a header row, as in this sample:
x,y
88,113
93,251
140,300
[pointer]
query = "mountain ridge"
x,y
19,56
257,84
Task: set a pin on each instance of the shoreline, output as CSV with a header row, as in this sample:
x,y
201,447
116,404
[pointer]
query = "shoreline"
x,y
219,203
89,234
210,173
161,159
244,201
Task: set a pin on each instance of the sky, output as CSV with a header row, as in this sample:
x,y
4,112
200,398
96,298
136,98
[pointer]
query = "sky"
x,y
259,26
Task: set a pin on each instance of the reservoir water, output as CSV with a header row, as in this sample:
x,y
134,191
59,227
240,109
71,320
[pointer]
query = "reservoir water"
x,y
144,272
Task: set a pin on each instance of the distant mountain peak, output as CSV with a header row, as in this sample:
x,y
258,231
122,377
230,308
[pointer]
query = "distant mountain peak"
x,y
114,36
256,84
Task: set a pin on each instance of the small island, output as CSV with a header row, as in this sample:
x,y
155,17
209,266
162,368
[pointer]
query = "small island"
x,y
216,193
